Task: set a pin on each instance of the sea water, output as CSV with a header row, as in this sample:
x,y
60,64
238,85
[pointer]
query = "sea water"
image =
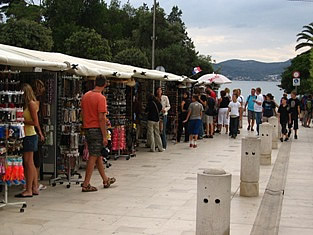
x,y
245,86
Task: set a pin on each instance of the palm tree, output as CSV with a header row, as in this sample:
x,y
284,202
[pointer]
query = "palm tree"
x,y
307,36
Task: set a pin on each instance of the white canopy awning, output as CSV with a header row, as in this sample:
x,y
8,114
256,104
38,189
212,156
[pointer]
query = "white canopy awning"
x,y
20,57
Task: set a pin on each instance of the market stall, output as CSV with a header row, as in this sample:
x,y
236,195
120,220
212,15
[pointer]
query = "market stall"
x,y
66,79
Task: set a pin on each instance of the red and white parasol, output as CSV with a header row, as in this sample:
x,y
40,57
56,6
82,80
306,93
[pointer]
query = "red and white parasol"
x,y
208,79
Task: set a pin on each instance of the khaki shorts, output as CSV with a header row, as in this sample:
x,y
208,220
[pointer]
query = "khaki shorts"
x,y
209,119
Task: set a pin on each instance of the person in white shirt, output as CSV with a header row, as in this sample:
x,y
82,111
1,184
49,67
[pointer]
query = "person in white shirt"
x,y
234,109
258,109
166,106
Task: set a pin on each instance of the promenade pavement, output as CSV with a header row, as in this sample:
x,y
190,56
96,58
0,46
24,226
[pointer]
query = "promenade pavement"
x,y
297,208
155,193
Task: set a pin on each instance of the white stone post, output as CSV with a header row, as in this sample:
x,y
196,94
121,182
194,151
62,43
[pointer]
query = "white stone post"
x,y
274,122
213,202
266,143
250,166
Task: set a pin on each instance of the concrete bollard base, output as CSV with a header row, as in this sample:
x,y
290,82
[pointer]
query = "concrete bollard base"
x,y
249,189
274,145
266,159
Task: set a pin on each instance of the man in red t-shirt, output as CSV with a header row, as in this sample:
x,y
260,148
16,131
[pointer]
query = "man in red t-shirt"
x,y
94,110
211,92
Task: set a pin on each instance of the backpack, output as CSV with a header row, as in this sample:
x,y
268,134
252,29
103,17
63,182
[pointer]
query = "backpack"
x,y
308,105
211,111
248,99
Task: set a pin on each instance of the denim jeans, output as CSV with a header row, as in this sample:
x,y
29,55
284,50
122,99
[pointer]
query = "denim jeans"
x,y
233,127
201,129
163,134
258,120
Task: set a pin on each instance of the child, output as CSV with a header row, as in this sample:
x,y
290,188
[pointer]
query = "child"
x,y
294,112
234,109
195,115
269,107
284,118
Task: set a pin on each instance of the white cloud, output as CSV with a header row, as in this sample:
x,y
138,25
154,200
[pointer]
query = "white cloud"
x,y
257,43
248,29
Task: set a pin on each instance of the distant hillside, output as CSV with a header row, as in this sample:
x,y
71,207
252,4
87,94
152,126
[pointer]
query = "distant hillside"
x,y
251,70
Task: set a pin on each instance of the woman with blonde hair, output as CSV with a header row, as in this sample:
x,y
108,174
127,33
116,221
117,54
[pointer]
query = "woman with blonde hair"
x,y
30,142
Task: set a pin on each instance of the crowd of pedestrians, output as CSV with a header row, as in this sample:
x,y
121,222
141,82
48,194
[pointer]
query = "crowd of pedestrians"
x,y
207,115
203,114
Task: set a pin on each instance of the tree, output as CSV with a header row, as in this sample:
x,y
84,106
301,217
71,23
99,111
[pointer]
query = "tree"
x,y
311,70
95,15
175,16
307,36
121,45
132,56
302,64
27,34
176,59
87,43
63,17
20,9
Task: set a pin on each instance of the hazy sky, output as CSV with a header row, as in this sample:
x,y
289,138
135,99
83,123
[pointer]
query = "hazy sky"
x,y
245,29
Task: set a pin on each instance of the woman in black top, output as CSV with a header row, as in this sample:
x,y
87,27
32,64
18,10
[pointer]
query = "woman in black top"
x,y
154,108
269,107
182,116
223,103
284,118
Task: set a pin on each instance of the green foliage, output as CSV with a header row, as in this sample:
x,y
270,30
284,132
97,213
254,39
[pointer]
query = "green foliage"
x,y
62,17
132,56
121,45
27,34
311,70
306,36
301,63
88,44
20,9
96,30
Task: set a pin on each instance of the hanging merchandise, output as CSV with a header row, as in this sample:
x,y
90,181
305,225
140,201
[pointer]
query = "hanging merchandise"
x,y
119,138
119,99
171,90
11,134
69,128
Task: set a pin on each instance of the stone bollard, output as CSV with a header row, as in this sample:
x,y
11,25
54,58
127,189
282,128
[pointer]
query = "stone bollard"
x,y
274,122
250,166
213,202
266,143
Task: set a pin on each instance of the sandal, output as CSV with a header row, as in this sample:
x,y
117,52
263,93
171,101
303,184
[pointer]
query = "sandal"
x,y
107,184
21,195
89,188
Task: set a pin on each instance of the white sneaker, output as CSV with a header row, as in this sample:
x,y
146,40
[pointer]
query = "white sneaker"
x,y
42,187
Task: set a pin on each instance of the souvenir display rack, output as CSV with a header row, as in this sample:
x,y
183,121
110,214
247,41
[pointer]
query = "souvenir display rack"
x,y
143,89
172,93
69,138
11,134
47,116
120,116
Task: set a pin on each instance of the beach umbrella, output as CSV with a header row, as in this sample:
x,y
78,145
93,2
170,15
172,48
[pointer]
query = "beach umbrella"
x,y
208,79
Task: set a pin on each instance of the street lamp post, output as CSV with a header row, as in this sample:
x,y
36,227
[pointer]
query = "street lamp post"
x,y
153,40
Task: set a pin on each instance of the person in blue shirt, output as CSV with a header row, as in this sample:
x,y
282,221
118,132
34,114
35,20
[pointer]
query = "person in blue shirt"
x,y
250,104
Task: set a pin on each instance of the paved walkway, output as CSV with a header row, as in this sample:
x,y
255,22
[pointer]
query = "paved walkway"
x,y
156,194
297,211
